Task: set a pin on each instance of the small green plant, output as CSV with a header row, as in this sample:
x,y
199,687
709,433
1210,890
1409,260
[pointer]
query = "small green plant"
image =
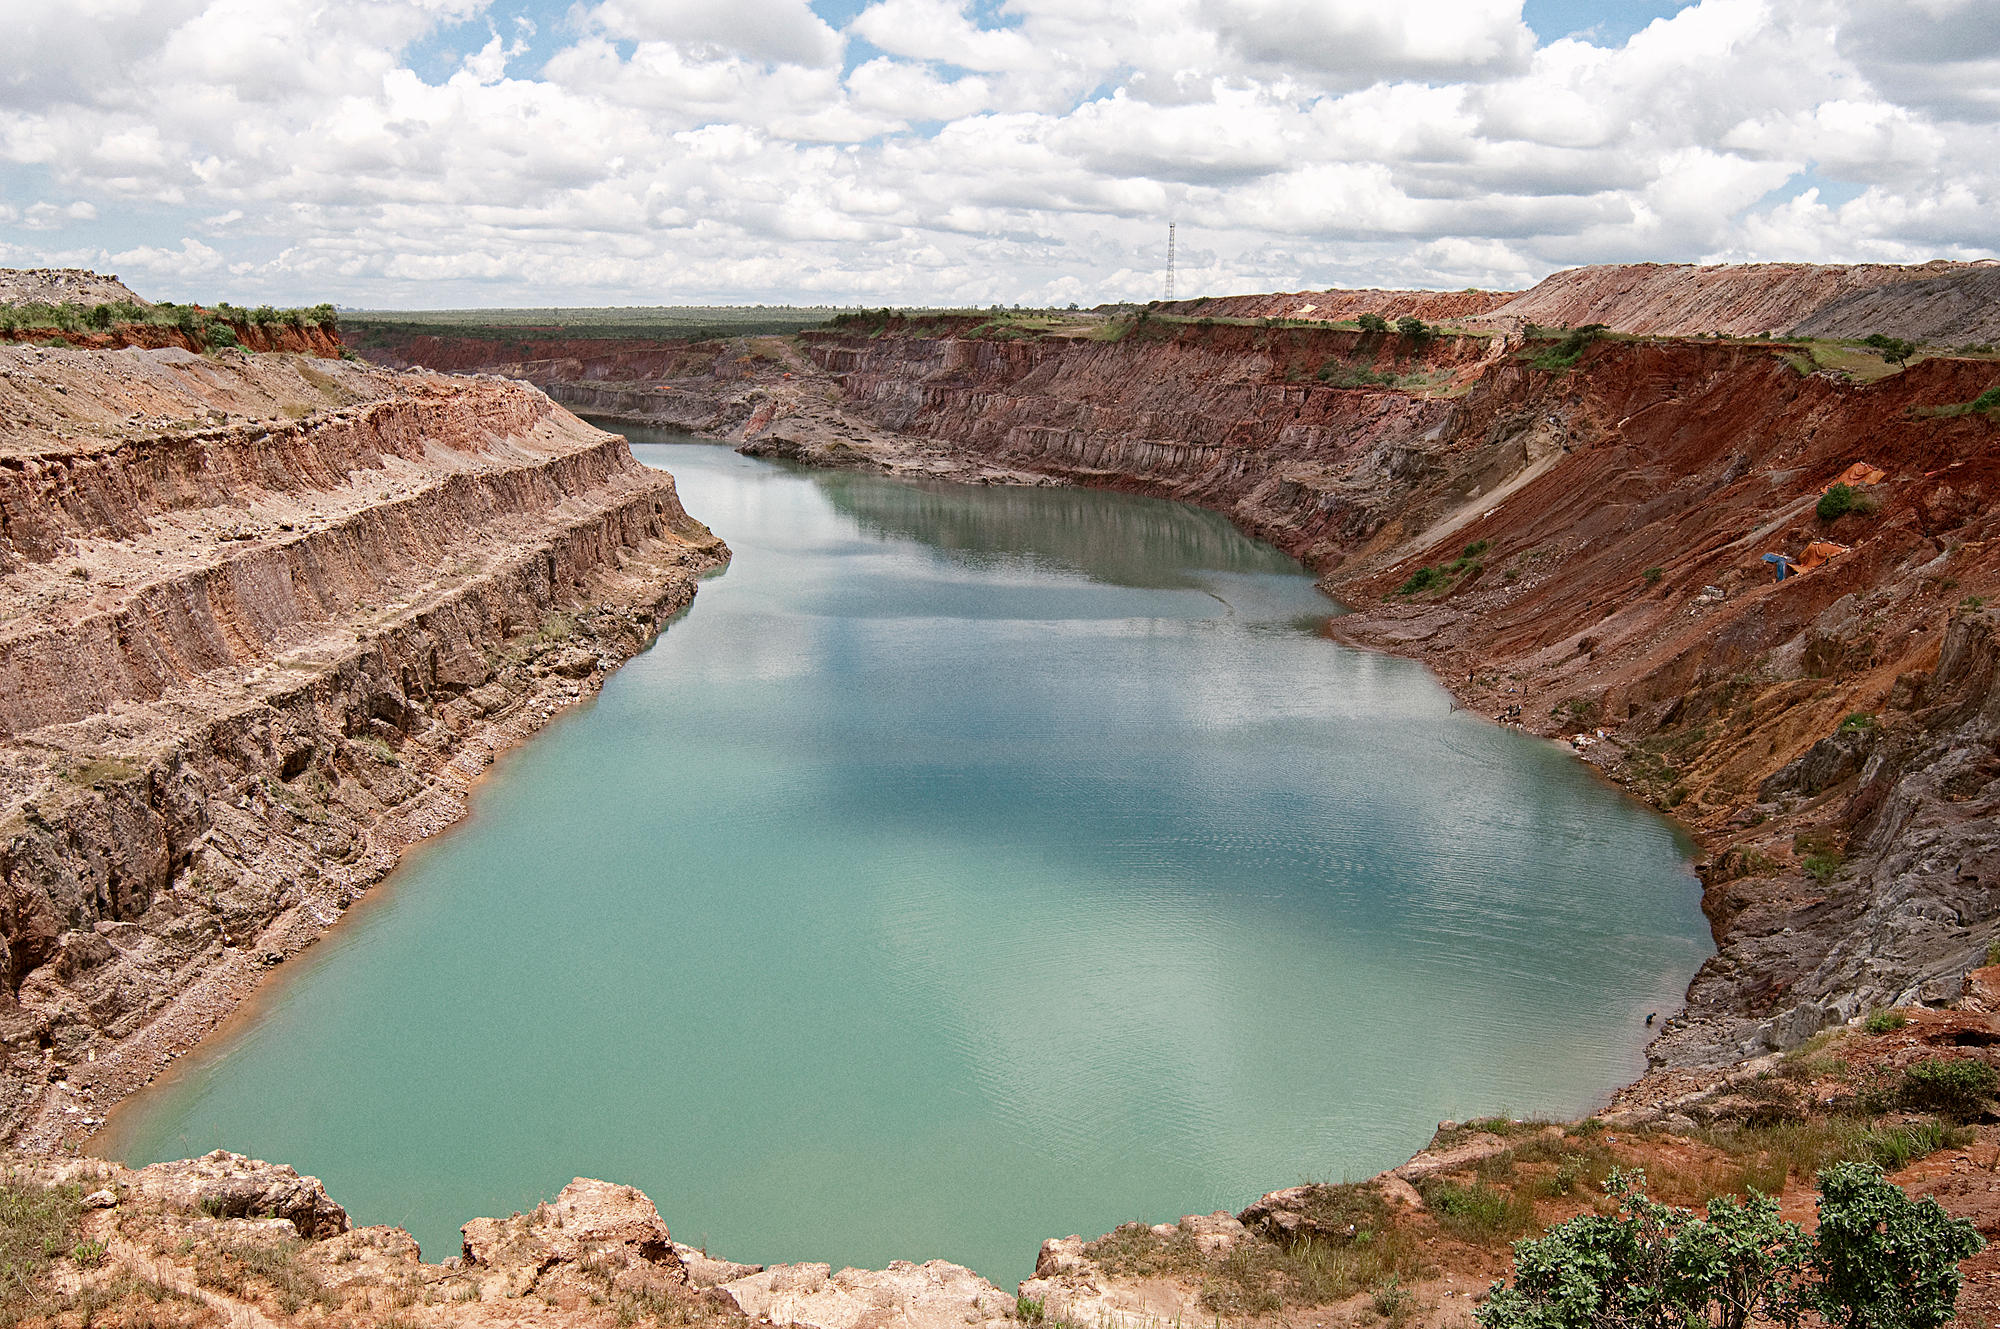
x,y
1884,1021
1957,1087
1426,578
1392,1301
1858,722
1842,499
1373,323
1892,1148
1476,548
1987,401
1822,867
88,1254
1565,353
37,1224
1478,1212
1993,952
1029,1310
1652,575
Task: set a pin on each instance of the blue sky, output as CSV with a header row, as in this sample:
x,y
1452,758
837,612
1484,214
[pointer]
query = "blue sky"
x,y
469,152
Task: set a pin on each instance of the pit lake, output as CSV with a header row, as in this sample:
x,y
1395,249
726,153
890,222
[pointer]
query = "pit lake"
x,y
968,866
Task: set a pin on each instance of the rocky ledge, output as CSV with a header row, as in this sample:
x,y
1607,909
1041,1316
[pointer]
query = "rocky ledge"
x,y
263,620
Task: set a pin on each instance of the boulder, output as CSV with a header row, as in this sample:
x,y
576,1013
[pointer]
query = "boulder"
x,y
615,1229
936,1295
226,1185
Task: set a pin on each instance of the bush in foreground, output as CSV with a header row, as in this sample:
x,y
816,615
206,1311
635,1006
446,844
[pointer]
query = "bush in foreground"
x,y
1879,1260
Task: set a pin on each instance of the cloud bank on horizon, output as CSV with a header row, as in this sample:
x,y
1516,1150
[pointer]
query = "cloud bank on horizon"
x,y
433,153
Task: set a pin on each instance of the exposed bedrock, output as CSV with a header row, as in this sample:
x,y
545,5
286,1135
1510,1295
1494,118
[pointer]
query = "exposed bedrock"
x,y
1615,515
1619,510
262,620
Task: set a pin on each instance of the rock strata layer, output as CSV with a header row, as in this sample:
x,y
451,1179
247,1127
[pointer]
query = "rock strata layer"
x,y
263,619
1594,537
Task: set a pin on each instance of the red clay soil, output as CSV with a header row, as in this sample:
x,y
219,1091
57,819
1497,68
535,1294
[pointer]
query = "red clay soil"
x,y
1340,305
1618,512
152,336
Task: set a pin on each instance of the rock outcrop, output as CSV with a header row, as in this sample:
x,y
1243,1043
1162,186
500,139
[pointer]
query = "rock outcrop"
x,y
263,619
226,1185
934,1295
59,286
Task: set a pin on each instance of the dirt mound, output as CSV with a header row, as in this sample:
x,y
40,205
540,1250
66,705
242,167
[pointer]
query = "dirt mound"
x,y
1958,307
1736,299
1336,305
57,286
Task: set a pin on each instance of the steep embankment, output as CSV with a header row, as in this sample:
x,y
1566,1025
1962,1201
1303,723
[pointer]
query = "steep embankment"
x,y
1615,515
1931,302
262,619
1739,299
303,340
1624,505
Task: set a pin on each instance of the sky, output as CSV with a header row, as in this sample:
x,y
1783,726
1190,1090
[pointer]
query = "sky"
x,y
471,153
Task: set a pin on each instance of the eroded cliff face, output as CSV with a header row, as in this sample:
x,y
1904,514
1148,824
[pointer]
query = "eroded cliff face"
x,y
1595,538
262,620
1929,302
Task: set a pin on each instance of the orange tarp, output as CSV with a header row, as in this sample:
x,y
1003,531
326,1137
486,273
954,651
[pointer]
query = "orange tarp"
x,y
1816,553
1861,473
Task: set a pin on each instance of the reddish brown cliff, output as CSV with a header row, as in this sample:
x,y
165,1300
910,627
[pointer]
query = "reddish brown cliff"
x,y
1594,537
262,619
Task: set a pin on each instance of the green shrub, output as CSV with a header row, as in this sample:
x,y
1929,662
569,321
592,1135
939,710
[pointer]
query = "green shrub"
x,y
1373,323
1476,548
1893,349
1414,328
1955,1087
1822,867
1883,1260
1837,502
1988,400
1653,575
1857,722
1565,353
1884,1021
1879,1260
1426,578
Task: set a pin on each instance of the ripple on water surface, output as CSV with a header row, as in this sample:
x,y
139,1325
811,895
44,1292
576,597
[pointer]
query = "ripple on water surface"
x,y
969,866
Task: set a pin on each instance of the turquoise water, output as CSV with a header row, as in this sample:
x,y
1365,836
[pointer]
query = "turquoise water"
x,y
969,866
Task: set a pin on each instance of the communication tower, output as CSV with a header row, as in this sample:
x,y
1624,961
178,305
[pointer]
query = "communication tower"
x,y
1170,260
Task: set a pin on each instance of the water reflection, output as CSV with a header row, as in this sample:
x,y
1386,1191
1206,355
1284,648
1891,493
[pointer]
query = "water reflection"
x,y
950,877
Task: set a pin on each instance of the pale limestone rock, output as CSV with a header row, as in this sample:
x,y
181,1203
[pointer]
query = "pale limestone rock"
x,y
705,1270
936,1295
226,1185
615,1228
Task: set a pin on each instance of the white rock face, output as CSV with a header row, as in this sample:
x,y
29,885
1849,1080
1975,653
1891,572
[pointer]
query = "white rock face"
x,y
936,1295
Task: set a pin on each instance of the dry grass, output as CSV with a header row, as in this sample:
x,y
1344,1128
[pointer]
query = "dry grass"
x,y
1356,1248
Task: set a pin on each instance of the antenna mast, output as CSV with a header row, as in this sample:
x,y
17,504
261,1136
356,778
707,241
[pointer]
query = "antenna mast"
x,y
1170,260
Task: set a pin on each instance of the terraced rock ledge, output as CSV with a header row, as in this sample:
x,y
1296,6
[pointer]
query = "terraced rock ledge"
x,y
263,620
